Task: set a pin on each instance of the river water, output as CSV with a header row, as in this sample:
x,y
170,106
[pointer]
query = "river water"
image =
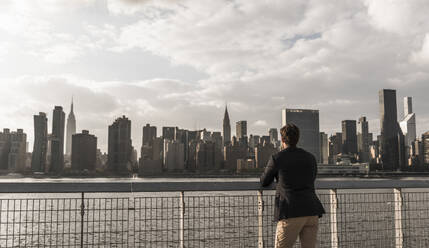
x,y
365,218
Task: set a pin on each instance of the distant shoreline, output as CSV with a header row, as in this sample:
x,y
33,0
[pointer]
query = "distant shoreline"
x,y
190,175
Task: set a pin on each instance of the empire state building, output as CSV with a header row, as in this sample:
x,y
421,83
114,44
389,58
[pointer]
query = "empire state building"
x,y
71,129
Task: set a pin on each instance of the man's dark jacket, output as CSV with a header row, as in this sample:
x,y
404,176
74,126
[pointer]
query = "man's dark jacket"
x,y
295,170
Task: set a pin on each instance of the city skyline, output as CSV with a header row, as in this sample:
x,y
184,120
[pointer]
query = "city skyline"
x,y
137,133
123,62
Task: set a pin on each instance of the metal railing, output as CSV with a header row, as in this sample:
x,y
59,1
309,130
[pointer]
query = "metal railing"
x,y
206,213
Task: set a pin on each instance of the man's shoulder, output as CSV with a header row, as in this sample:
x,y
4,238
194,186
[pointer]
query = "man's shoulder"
x,y
292,152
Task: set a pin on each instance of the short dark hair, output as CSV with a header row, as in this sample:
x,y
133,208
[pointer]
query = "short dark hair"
x,y
290,134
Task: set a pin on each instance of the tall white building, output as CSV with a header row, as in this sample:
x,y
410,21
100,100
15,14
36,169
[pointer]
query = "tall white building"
x,y
408,124
324,148
70,130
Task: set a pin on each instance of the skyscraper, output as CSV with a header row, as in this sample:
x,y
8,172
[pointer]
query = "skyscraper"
x,y
241,129
18,151
174,159
363,139
274,135
168,133
324,148
84,151
226,128
408,124
308,124
13,150
425,148
205,155
57,145
349,142
120,149
390,135
4,148
71,129
38,161
149,134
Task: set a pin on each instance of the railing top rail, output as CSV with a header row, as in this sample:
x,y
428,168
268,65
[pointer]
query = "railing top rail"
x,y
171,185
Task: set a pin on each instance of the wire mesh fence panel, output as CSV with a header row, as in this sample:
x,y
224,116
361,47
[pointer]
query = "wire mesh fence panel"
x,y
156,222
221,221
106,222
366,220
415,215
43,222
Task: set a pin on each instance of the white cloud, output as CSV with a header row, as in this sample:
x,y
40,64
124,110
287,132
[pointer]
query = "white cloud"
x,y
62,54
421,57
258,56
261,123
401,17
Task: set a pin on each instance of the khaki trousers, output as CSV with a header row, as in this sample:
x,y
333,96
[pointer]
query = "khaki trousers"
x,y
288,231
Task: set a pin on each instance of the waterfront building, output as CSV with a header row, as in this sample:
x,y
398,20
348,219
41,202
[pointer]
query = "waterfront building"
x,y
149,134
232,152
254,141
150,167
168,133
174,159
263,152
205,135
57,142
120,146
241,130
84,151
265,139
349,142
226,128
391,149
192,135
101,160
180,135
39,155
425,148
13,146
335,146
205,155
191,164
70,130
308,123
216,137
274,136
18,151
363,139
408,125
324,148
245,164
150,162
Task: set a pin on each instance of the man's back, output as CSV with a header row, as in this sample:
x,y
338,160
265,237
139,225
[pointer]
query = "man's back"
x,y
297,207
295,170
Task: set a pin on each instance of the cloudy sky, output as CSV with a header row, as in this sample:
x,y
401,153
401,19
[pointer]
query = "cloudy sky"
x,y
176,63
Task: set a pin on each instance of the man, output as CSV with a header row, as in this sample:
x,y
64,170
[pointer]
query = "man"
x,y
297,207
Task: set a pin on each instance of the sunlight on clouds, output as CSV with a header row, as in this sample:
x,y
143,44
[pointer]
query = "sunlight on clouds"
x,y
62,54
422,57
258,56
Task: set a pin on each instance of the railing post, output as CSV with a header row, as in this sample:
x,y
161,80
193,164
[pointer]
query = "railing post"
x,y
399,235
82,214
260,220
334,223
182,220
